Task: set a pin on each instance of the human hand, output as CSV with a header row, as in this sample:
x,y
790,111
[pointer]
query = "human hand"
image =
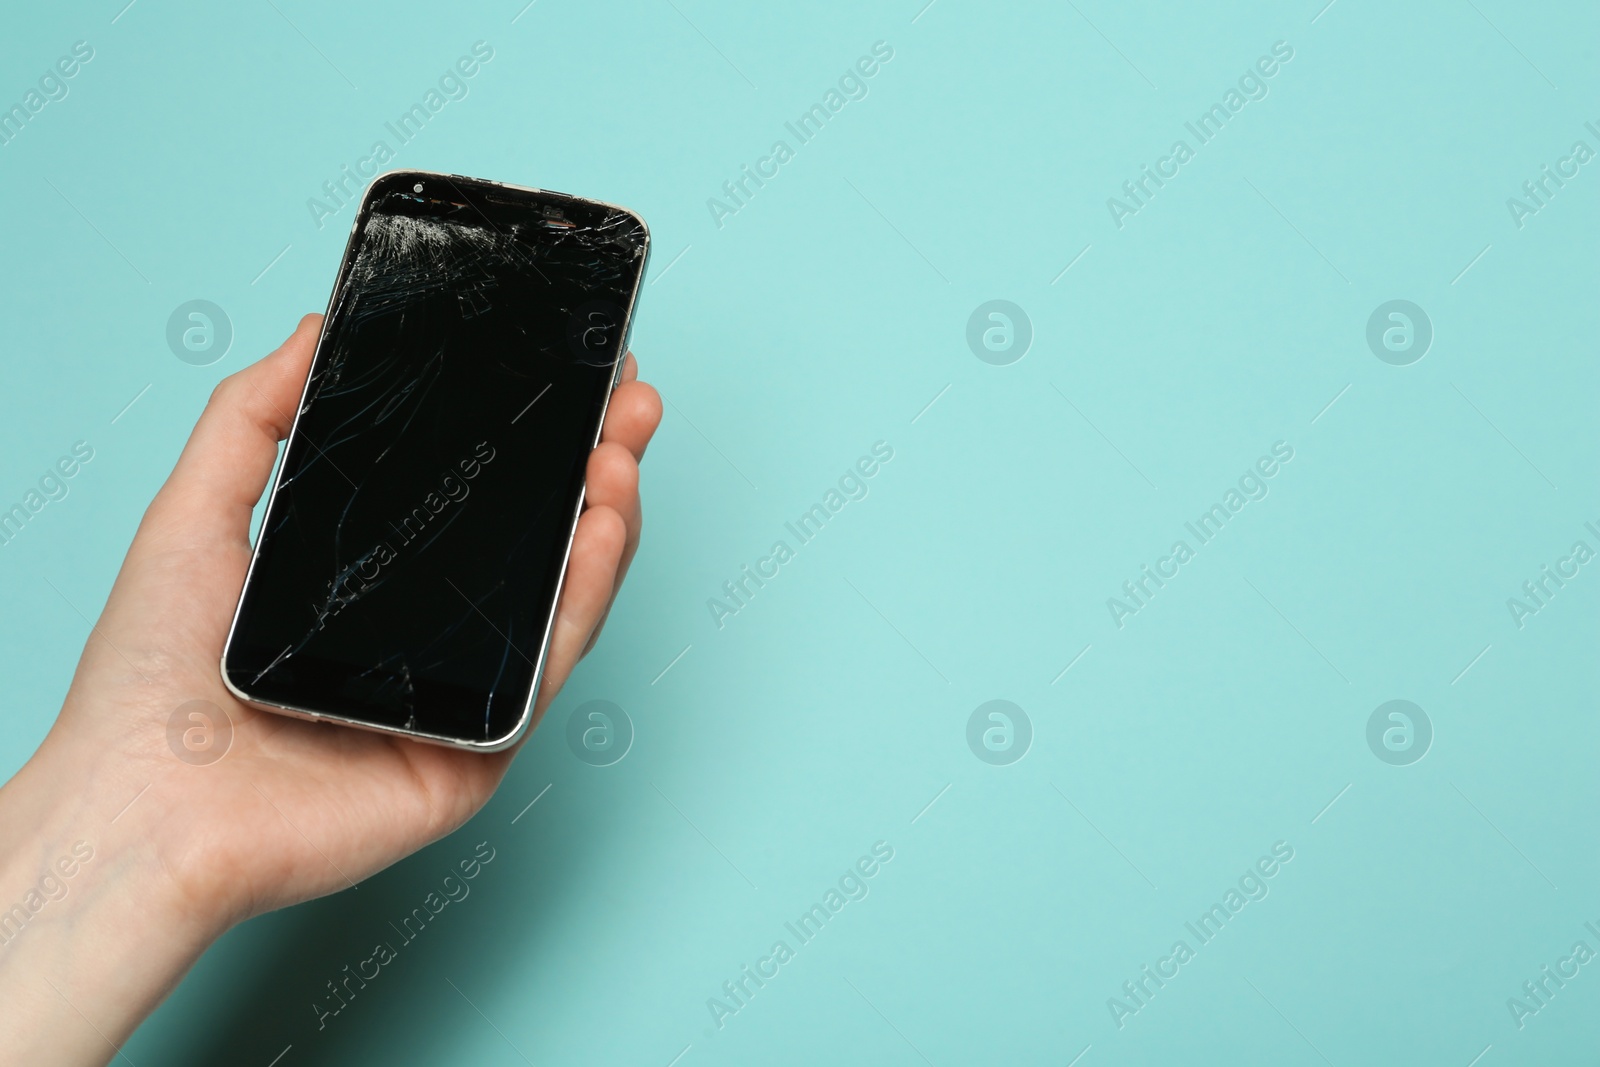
x,y
295,809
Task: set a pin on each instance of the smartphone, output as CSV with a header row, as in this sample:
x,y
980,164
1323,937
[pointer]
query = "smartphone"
x,y
411,555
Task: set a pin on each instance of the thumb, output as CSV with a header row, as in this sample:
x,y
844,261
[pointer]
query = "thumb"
x,y
208,498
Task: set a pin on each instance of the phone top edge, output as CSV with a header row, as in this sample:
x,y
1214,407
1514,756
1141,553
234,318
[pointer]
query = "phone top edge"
x,y
397,172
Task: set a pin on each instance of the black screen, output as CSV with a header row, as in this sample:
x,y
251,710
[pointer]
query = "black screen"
x,y
408,563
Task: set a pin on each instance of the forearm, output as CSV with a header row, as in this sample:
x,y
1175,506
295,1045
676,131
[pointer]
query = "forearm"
x,y
92,933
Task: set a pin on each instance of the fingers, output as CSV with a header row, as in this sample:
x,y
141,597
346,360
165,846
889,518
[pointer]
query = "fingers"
x,y
633,416
591,578
630,367
612,481
229,456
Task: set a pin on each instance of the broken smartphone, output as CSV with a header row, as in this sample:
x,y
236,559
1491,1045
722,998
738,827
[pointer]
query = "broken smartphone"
x,y
411,556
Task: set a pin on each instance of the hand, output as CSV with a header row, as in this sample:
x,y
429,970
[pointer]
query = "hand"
x,y
295,809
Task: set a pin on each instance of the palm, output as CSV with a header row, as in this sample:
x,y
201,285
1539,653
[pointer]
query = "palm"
x,y
294,809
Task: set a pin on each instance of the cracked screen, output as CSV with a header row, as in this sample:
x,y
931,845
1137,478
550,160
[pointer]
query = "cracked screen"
x,y
409,561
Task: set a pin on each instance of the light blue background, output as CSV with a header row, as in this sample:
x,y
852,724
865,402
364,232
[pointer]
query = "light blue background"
x,y
823,317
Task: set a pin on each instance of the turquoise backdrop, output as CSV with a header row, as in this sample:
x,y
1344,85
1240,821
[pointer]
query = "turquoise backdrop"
x,y
1177,324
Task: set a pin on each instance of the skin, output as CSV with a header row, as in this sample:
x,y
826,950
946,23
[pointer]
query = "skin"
x,y
295,809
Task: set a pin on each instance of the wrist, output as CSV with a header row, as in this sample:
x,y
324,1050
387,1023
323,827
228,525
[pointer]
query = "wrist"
x,y
94,929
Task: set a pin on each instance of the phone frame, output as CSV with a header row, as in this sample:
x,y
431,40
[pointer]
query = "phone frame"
x,y
525,720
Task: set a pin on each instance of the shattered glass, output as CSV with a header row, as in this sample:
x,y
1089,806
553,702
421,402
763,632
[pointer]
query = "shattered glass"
x,y
409,560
